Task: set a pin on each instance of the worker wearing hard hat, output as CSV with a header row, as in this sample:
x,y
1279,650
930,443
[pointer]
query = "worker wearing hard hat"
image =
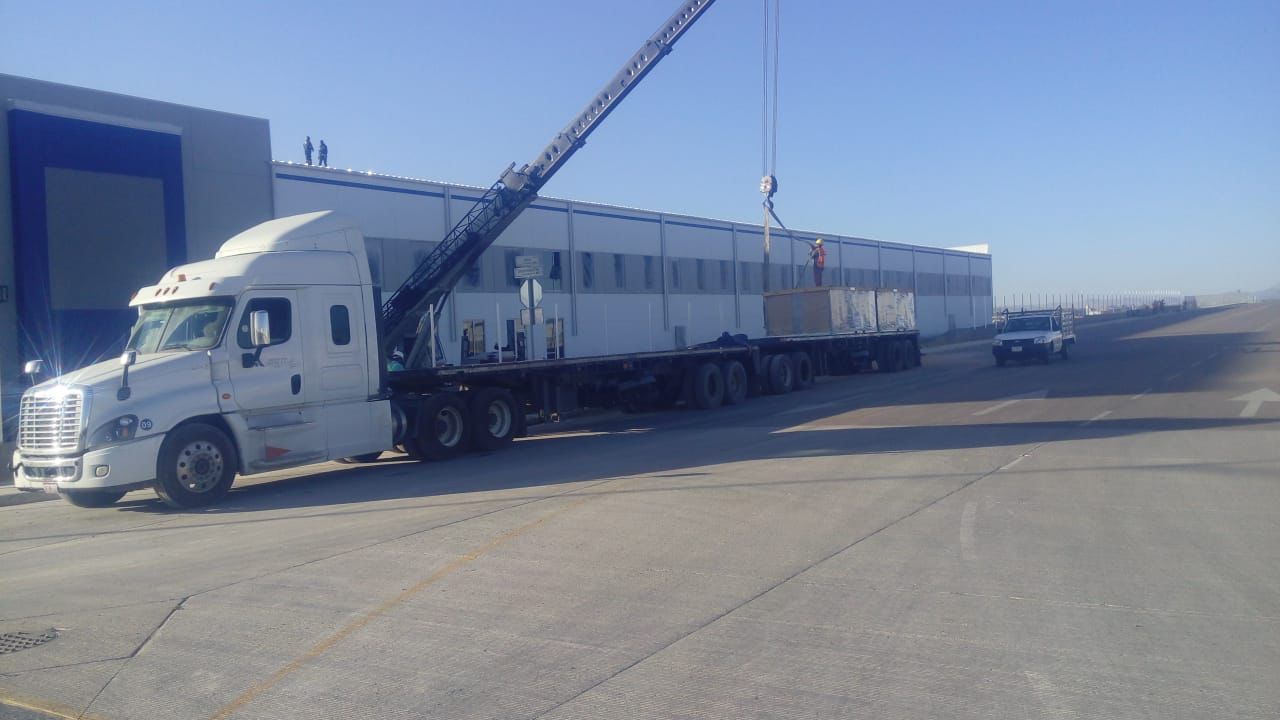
x,y
818,254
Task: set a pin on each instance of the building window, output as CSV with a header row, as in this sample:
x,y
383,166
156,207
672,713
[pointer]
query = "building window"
x,y
675,274
279,314
700,272
726,279
588,270
339,325
512,281
620,271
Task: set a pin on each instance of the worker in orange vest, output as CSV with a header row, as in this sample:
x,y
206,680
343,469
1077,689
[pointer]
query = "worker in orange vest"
x,y
818,254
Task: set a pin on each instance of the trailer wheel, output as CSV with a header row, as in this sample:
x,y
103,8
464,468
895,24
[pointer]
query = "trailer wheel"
x,y
889,357
781,375
735,382
442,427
196,466
913,354
494,420
92,498
803,365
360,459
707,392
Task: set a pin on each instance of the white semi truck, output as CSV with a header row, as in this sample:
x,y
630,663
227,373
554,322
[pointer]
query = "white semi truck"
x,y
275,354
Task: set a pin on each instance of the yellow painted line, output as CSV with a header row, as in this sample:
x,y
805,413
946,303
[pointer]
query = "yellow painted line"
x,y
349,629
42,706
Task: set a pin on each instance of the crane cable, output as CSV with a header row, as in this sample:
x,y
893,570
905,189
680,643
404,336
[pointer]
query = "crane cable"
x,y
769,131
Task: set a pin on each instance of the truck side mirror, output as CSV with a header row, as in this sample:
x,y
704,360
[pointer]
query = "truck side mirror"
x,y
260,328
32,368
259,336
127,358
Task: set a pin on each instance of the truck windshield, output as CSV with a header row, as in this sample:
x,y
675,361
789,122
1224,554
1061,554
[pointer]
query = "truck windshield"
x,y
1027,323
195,325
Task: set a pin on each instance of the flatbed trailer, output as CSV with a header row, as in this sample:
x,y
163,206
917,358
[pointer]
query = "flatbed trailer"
x,y
726,371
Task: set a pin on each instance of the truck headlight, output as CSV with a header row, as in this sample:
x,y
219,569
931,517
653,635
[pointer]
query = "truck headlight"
x,y
118,430
1042,340
997,342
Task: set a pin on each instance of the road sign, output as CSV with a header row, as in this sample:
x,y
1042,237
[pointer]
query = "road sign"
x,y
528,261
530,293
528,272
538,317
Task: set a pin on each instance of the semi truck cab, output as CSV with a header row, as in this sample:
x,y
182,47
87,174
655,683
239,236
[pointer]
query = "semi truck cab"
x,y
264,357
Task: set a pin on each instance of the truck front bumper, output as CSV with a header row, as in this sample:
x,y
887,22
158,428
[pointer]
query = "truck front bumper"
x,y
1027,352
131,464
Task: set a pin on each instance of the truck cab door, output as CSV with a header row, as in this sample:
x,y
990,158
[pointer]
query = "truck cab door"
x,y
269,386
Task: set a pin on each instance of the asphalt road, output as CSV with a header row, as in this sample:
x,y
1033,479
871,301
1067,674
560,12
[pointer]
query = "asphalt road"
x,y
1098,537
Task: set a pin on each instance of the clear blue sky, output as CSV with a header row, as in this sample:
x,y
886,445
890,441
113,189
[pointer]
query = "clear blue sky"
x,y
1096,146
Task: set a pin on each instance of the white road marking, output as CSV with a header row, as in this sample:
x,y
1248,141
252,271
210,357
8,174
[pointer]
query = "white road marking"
x,y
1173,377
1051,701
1139,395
967,519
807,408
1196,363
1253,401
1212,355
1096,418
1037,395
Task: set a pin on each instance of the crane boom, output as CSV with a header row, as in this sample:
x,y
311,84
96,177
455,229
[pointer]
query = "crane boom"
x,y
435,277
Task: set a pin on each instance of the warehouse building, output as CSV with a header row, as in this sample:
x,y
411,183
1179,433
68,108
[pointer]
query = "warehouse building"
x,y
100,193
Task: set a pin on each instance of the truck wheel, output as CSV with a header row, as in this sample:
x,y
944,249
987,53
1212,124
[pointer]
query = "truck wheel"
x,y
360,459
888,358
781,375
708,387
196,466
912,354
442,427
803,366
493,418
1000,362
92,498
735,382
1063,352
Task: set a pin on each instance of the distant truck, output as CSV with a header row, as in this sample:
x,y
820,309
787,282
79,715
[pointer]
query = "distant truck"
x,y
1033,335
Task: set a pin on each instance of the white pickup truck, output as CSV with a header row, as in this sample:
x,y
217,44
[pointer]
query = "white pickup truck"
x,y
1033,335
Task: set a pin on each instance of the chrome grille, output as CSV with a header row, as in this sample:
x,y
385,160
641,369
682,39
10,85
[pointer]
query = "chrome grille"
x,y
50,420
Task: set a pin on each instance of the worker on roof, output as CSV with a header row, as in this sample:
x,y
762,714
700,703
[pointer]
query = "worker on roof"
x,y
307,149
818,254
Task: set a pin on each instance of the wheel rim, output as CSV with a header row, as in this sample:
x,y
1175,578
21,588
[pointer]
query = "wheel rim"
x,y
449,426
499,419
199,467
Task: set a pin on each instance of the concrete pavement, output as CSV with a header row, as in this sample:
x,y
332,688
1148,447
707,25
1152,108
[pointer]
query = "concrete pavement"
x,y
1095,537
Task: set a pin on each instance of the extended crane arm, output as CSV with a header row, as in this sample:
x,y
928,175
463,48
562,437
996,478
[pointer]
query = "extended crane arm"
x,y
433,279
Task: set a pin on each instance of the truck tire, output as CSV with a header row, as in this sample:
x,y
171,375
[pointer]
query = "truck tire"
x,y
361,459
92,498
888,357
442,426
196,466
707,392
1063,352
913,354
1000,361
781,375
735,382
803,365
494,418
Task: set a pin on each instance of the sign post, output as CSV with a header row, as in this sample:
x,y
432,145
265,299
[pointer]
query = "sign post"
x,y
530,297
